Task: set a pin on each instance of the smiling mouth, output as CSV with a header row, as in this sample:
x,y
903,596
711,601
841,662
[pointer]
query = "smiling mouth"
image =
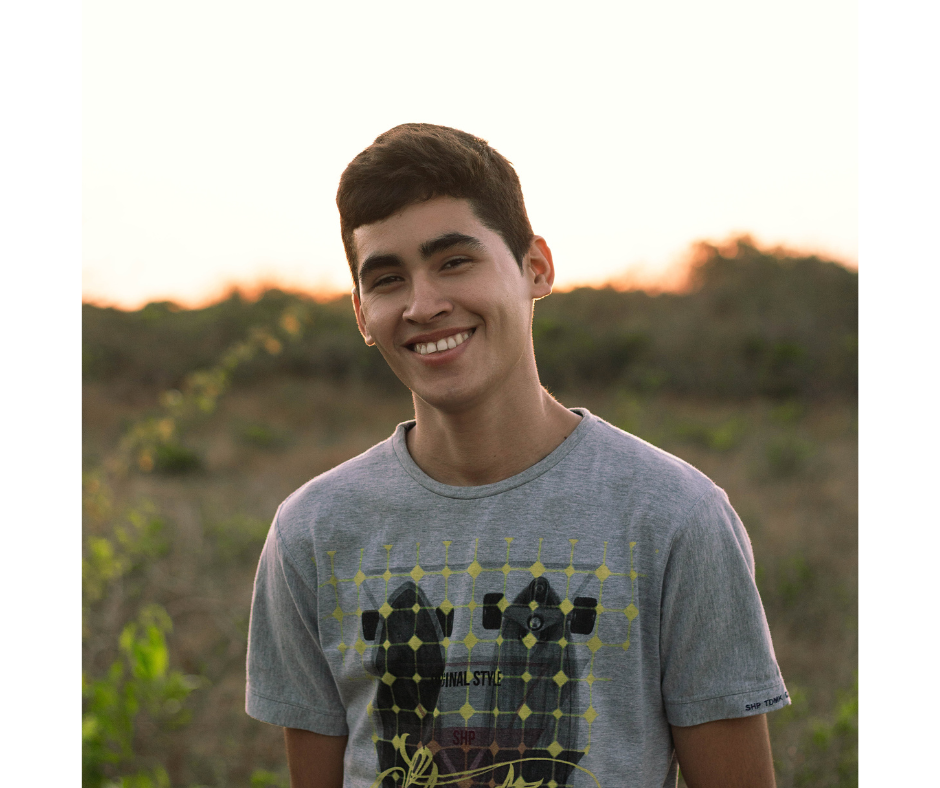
x,y
447,343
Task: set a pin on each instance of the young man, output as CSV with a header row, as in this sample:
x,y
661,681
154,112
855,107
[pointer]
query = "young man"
x,y
505,591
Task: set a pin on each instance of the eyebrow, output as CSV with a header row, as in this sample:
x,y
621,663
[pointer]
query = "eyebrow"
x,y
429,248
446,241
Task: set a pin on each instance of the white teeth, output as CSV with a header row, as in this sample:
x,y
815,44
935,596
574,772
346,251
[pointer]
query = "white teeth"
x,y
443,344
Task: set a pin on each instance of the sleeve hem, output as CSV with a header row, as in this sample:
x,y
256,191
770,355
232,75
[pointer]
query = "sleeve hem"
x,y
289,715
726,707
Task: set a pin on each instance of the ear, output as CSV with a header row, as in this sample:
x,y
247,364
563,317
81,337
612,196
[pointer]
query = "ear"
x,y
360,320
540,268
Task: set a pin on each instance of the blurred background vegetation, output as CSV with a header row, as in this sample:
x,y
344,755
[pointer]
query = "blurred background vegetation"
x,y
198,422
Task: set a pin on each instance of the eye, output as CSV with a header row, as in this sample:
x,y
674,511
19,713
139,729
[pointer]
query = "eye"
x,y
455,262
387,279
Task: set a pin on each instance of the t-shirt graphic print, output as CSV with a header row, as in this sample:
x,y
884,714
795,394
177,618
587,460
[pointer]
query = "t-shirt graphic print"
x,y
484,671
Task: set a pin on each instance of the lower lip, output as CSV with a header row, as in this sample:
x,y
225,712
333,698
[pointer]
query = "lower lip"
x,y
442,356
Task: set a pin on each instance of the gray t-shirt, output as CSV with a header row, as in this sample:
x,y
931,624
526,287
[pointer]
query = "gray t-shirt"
x,y
553,624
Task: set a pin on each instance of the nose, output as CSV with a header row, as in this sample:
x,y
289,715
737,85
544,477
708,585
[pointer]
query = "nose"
x,y
426,302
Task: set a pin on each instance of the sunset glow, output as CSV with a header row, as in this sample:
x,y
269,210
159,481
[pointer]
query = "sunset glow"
x,y
214,134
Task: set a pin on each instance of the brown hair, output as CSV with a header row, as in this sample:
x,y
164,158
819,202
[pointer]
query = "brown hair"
x,y
416,162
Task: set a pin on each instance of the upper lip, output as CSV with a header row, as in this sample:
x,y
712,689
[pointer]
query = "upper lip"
x,y
434,336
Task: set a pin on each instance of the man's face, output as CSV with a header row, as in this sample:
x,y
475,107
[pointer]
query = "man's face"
x,y
444,300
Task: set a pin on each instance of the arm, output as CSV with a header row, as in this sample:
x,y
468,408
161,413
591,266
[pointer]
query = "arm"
x,y
314,760
731,753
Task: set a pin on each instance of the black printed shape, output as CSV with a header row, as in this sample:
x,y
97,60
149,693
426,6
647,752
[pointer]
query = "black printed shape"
x,y
409,661
539,671
584,615
446,621
492,615
370,622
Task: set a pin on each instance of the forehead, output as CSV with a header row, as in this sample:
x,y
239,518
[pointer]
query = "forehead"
x,y
403,233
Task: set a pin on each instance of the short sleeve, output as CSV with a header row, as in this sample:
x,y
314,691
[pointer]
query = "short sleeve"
x,y
717,657
289,679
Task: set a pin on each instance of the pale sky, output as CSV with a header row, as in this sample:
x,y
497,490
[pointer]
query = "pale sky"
x,y
214,133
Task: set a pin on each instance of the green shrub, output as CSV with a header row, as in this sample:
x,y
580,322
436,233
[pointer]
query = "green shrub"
x,y
788,455
138,683
723,437
174,458
262,778
831,744
264,436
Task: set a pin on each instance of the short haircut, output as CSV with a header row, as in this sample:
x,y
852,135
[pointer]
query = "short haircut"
x,y
416,162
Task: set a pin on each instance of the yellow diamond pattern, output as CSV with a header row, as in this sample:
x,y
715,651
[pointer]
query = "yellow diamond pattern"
x,y
386,644
626,645
566,607
386,610
590,715
601,609
388,678
466,711
396,708
631,612
526,677
569,571
415,608
447,572
474,569
359,645
529,640
499,640
470,640
524,712
415,642
386,575
342,648
560,679
537,569
446,606
472,606
338,613
633,574
533,605
557,714
562,642
554,748
594,643
417,573
416,677
506,569
602,572
358,578
503,604
590,679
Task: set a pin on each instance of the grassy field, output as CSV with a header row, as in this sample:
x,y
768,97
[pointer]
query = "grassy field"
x,y
188,539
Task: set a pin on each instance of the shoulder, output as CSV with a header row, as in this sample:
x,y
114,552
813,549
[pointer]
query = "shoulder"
x,y
342,489
651,477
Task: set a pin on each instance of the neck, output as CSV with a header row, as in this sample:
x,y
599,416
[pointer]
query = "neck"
x,y
488,442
